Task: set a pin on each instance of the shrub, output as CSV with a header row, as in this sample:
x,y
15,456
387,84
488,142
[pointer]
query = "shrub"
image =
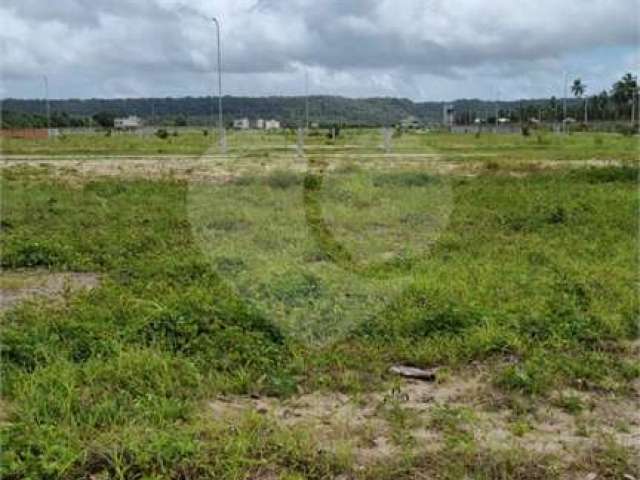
x,y
626,130
282,179
29,254
404,179
419,313
162,133
614,173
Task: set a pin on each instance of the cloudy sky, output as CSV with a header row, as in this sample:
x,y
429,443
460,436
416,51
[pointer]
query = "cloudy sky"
x,y
420,49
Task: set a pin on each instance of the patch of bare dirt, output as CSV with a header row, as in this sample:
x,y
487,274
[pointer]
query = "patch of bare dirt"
x,y
17,286
364,424
223,168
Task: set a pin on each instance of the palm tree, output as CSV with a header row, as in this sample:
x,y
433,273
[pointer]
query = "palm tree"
x,y
578,88
625,91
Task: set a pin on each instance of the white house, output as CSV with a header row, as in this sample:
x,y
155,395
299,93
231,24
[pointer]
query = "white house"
x,y
241,123
410,122
127,123
259,123
271,124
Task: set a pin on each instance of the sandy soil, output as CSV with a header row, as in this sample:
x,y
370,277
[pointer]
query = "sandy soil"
x,y
363,422
18,286
219,168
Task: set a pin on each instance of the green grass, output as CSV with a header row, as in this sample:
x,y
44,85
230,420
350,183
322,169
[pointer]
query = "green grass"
x,y
269,285
255,144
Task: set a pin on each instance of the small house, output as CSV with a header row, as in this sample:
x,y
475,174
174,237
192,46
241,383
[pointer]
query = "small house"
x,y
127,123
241,123
410,122
272,124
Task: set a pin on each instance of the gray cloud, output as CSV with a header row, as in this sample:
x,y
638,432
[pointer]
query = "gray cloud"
x,y
359,47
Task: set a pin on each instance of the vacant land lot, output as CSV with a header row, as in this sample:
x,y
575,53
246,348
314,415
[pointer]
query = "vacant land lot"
x,y
236,316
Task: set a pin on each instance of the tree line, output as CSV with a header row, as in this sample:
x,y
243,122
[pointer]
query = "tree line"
x,y
616,104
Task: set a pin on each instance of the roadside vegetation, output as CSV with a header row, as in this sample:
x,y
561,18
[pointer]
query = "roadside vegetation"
x,y
223,306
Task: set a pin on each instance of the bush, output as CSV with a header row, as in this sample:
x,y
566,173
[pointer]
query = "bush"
x,y
162,133
404,179
622,173
29,254
282,179
419,314
542,140
626,129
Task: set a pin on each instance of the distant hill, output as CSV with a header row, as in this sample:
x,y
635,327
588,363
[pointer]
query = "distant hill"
x,y
325,110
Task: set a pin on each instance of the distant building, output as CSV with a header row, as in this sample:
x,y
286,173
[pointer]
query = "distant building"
x,y
503,120
272,124
241,123
410,122
127,123
259,124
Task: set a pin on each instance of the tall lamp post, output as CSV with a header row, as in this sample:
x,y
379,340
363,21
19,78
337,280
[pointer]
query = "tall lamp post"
x,y
306,100
497,108
46,97
564,104
223,146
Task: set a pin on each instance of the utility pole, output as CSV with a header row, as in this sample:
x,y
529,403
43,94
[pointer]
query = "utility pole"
x,y
306,99
634,95
497,110
223,146
564,105
48,107
586,107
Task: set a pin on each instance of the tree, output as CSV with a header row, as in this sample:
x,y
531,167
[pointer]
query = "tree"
x,y
104,119
578,88
624,92
624,88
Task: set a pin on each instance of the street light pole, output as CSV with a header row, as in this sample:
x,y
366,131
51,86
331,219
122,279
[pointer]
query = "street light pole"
x,y
46,97
497,112
220,126
306,99
634,96
564,105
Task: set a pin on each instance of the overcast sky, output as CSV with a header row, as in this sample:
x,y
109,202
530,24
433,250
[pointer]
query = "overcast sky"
x,y
420,49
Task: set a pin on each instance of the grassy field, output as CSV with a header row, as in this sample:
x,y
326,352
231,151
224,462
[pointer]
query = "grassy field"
x,y
244,325
537,146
